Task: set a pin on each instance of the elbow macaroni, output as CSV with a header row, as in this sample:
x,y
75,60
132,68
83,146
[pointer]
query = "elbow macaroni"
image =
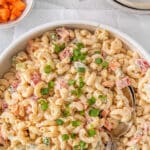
x,y
49,96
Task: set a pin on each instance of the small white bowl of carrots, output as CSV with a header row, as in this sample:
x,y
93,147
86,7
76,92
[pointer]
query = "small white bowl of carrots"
x,y
13,11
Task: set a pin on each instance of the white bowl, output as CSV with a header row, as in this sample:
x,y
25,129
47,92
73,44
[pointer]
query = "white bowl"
x,y
129,9
29,6
20,44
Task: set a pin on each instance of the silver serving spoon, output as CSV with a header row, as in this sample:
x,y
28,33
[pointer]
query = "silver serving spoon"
x,y
130,94
114,134
122,127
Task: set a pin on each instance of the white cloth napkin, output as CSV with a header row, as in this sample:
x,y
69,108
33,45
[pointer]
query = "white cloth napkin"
x,y
137,26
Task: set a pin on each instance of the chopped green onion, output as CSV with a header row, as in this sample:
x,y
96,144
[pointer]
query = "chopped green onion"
x,y
82,57
103,98
98,61
82,145
97,52
77,55
59,48
66,113
46,141
76,123
81,69
44,91
13,60
20,66
51,84
77,92
10,89
72,58
53,36
76,52
73,135
91,101
81,82
104,64
47,69
67,105
80,45
44,104
65,137
91,126
71,82
94,112
59,122
91,132
76,147
74,92
82,112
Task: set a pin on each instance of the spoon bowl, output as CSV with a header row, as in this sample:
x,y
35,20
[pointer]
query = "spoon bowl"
x,y
122,128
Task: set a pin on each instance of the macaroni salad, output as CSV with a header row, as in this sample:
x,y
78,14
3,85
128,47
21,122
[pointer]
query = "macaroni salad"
x,y
67,85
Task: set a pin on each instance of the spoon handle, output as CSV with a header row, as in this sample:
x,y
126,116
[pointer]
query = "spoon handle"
x,y
133,97
111,145
114,145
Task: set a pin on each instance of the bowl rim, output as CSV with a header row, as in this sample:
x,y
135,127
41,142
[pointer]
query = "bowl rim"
x,y
127,9
49,26
24,14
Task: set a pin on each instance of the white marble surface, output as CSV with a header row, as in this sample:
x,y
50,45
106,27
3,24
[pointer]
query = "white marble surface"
x,y
137,26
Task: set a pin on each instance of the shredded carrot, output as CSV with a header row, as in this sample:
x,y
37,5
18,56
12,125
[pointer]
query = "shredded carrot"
x,y
2,2
19,5
5,6
15,13
11,9
10,6
12,17
10,1
4,14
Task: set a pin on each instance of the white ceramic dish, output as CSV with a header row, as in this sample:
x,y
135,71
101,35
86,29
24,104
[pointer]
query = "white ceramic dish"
x,y
20,44
29,6
131,6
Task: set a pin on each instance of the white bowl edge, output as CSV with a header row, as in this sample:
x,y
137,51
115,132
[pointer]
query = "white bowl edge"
x,y
128,10
16,46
